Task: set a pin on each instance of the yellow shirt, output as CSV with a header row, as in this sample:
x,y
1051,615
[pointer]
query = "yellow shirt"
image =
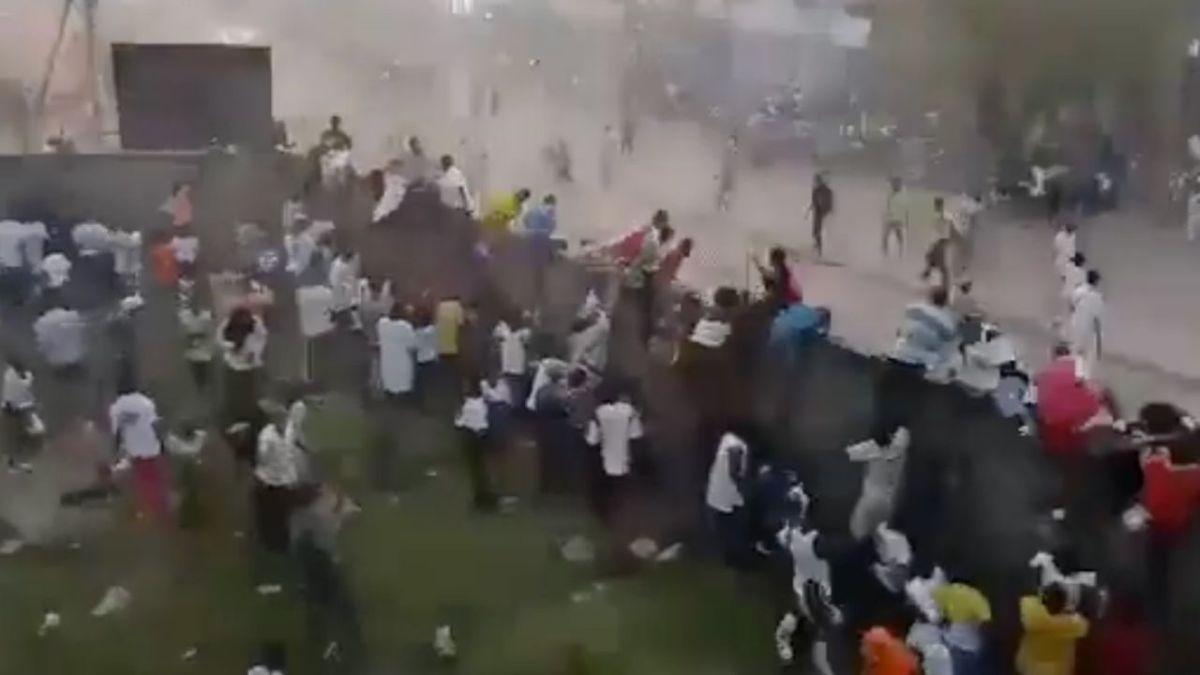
x,y
448,321
501,210
1048,646
960,603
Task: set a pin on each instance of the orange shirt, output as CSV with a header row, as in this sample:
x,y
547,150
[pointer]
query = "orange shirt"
x,y
884,654
164,264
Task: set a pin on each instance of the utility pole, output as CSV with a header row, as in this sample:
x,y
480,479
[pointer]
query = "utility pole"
x,y
92,87
91,83
39,103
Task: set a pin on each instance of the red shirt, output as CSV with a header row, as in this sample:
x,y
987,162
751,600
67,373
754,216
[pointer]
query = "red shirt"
x,y
1065,403
1170,492
627,248
791,287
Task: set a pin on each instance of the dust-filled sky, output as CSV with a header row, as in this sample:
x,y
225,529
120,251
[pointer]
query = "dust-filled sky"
x,y
383,64
347,56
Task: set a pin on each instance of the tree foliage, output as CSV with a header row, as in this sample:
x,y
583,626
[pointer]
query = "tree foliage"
x,y
1063,49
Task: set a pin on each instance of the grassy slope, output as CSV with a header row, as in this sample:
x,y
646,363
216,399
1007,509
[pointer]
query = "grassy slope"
x,y
415,562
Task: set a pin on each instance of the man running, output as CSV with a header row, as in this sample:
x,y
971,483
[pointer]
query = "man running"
x,y
821,206
895,216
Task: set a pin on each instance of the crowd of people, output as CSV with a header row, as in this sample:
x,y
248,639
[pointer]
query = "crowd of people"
x,y
494,368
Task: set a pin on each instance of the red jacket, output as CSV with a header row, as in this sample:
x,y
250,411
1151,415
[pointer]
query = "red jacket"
x,y
1170,492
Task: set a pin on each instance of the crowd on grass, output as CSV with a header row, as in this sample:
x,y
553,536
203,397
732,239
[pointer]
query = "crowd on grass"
x,y
493,368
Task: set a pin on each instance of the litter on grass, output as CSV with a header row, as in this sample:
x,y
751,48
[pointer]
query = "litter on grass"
x,y
670,553
115,599
443,643
643,548
578,549
51,621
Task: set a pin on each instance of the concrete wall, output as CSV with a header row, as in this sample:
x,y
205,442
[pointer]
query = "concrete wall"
x,y
127,190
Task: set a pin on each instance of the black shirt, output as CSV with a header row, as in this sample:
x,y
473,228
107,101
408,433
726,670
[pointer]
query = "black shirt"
x,y
822,199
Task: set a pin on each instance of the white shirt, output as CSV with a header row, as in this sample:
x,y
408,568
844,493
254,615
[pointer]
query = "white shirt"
x,y
397,344
17,391
57,269
542,377
589,346
375,301
926,639
723,493
91,238
885,465
806,564
473,416
894,555
314,304
427,344
453,187
277,460
710,333
982,360
300,249
34,243
250,356
294,429
1073,277
394,189
498,393
343,279
188,445
1087,309
60,336
513,360
321,229
1064,249
127,249
197,333
186,249
11,235
920,593
291,212
612,428
132,417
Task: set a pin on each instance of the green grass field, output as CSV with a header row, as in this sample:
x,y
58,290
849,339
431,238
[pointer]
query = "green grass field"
x,y
414,561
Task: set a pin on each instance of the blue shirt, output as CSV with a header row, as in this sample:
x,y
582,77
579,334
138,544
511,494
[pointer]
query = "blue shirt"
x,y
928,337
541,221
800,324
